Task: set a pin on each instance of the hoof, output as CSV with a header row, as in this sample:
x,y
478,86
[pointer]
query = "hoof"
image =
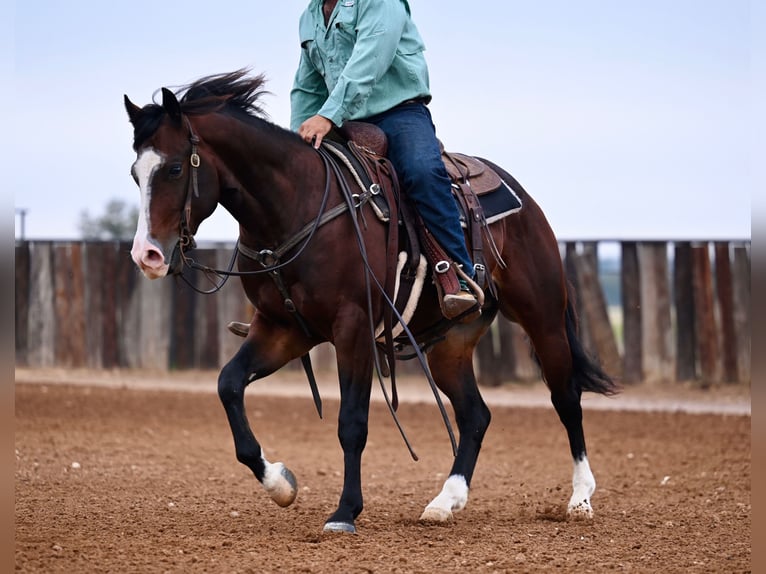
x,y
580,511
282,486
435,515
339,527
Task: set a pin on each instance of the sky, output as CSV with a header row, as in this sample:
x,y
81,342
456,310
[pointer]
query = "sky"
x,y
624,119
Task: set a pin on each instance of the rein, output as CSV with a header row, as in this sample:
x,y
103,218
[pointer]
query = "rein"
x,y
270,260
351,200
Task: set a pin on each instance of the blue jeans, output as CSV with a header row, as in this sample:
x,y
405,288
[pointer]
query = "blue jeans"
x,y
414,151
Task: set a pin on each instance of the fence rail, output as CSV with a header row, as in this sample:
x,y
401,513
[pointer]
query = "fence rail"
x,y
682,314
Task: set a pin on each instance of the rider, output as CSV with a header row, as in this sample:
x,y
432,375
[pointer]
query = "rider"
x,y
363,60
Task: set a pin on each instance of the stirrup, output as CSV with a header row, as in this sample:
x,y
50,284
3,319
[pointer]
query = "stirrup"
x,y
458,303
239,329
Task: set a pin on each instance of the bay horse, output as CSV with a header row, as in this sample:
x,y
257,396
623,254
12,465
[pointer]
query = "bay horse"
x,y
210,144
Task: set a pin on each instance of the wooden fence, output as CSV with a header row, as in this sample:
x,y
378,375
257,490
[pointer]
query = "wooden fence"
x,y
683,313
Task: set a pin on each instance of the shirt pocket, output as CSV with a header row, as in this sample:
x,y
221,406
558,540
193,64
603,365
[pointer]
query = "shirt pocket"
x,y
344,26
309,46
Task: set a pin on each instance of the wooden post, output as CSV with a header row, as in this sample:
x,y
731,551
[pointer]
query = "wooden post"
x,y
489,375
655,313
683,291
724,289
153,300
206,314
111,306
231,306
509,364
741,281
593,304
69,308
707,340
525,367
128,308
21,294
630,286
182,329
41,330
94,296
570,268
497,354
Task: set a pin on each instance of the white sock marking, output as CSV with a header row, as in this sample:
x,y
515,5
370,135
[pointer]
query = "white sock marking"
x,y
281,490
453,497
583,486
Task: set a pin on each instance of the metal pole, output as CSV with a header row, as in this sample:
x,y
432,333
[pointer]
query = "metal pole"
x,y
22,217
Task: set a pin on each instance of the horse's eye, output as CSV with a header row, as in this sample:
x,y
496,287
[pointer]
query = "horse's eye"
x,y
175,170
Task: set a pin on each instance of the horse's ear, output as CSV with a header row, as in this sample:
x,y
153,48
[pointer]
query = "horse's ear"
x,y
171,105
133,110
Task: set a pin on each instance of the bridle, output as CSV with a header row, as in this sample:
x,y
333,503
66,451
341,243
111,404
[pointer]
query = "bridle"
x,y
186,238
270,260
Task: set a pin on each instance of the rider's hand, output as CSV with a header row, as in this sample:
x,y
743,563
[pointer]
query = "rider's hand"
x,y
314,129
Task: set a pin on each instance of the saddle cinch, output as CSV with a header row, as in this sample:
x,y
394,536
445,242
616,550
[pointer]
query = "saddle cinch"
x,y
471,179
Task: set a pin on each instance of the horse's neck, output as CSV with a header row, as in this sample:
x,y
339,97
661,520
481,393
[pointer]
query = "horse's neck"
x,y
270,185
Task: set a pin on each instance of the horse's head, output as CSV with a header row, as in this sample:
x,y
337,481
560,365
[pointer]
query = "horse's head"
x,y
179,188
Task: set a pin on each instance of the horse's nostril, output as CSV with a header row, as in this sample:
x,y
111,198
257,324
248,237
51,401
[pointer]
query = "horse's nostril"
x,y
153,256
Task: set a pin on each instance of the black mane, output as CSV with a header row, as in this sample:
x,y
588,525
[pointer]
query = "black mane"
x,y
234,92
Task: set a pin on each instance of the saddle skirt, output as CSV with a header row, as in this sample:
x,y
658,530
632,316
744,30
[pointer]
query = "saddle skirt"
x,y
497,199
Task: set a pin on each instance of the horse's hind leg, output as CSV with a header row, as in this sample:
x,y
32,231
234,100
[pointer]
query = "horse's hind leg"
x,y
565,396
451,365
566,380
255,359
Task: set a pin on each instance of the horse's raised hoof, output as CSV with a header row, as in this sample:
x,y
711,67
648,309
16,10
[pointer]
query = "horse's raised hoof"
x,y
580,511
281,485
339,527
239,329
433,515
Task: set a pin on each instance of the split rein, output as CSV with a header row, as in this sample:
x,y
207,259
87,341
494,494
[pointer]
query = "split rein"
x,y
270,260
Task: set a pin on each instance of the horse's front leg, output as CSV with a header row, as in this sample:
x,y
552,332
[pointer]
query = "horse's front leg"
x,y
354,357
265,350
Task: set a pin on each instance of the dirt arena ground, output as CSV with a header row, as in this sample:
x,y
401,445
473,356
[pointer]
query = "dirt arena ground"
x,y
140,476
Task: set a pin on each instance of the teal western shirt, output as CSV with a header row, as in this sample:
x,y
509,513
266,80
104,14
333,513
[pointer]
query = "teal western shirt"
x,y
368,59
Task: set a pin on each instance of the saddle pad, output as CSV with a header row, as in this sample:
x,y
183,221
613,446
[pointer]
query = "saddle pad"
x,y
497,204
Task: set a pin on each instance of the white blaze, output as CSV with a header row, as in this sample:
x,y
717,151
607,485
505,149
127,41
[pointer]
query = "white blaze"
x,y
148,162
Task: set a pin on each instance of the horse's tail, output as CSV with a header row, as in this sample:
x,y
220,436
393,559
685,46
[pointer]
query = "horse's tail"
x,y
587,375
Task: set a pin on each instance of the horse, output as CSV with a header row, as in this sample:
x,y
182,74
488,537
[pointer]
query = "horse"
x,y
210,143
